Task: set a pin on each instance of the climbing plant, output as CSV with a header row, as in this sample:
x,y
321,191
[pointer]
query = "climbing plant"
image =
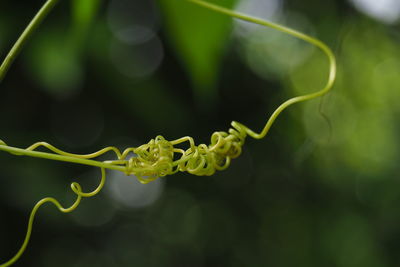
x,y
159,157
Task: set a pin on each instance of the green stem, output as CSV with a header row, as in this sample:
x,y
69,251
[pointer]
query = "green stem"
x,y
77,189
66,157
51,156
33,25
324,48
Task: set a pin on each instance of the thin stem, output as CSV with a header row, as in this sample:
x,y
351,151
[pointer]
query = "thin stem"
x,y
33,25
64,158
324,48
193,166
77,189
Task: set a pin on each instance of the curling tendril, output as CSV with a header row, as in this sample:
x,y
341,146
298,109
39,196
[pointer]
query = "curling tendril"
x,y
159,157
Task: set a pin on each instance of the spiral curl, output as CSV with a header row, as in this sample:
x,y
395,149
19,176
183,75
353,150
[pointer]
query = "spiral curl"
x,y
156,158
159,157
152,160
206,160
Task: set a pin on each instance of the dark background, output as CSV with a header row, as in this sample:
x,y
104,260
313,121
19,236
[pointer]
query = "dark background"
x,y
120,72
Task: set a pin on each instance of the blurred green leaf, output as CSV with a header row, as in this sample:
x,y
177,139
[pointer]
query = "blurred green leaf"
x,y
83,13
199,37
55,57
54,64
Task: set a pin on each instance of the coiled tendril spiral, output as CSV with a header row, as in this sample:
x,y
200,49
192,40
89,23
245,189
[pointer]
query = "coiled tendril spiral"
x,y
158,157
154,159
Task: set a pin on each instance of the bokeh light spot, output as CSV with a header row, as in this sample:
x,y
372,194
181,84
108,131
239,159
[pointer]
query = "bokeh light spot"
x,y
272,54
137,61
130,193
387,11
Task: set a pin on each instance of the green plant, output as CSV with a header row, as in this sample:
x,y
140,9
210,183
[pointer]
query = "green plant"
x,y
159,157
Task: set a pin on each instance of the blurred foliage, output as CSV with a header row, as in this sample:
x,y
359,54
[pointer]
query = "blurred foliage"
x,y
200,39
120,72
83,13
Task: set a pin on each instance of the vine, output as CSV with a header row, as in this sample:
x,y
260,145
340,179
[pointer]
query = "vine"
x,y
159,157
